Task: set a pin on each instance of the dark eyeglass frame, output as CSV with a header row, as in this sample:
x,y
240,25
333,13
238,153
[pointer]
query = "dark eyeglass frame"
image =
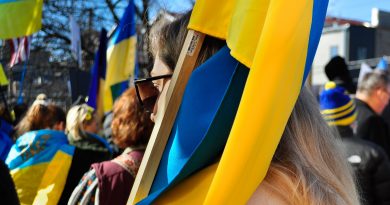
x,y
143,80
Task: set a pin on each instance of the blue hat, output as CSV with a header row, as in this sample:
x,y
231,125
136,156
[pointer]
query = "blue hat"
x,y
336,106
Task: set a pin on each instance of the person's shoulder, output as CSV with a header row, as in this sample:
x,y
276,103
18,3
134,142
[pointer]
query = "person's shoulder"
x,y
108,169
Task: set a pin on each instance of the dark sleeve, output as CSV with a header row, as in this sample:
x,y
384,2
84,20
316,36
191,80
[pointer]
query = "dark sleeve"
x,y
7,187
381,176
81,163
375,129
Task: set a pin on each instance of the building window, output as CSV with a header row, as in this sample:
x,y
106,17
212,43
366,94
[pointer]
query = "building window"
x,y
334,51
361,53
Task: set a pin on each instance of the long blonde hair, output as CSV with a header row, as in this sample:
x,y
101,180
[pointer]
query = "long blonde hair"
x,y
77,115
308,166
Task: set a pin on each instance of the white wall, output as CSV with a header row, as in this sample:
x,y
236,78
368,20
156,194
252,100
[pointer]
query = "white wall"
x,y
336,37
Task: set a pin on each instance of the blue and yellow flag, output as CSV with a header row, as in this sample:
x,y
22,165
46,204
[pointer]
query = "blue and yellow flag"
x,y
121,57
39,163
20,18
96,89
274,41
3,77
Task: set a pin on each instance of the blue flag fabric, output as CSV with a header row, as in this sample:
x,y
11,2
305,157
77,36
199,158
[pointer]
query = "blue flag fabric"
x,y
98,71
39,163
210,102
382,65
5,139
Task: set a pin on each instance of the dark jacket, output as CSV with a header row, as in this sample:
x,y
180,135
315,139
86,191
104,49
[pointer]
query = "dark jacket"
x,y
89,150
371,126
371,166
7,187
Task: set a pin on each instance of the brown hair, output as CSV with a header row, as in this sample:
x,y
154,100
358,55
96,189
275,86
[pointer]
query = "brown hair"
x,y
167,39
131,125
39,117
56,115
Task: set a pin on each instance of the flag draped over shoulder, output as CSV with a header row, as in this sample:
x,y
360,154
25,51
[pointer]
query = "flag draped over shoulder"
x,y
276,40
121,57
20,49
96,89
39,163
20,18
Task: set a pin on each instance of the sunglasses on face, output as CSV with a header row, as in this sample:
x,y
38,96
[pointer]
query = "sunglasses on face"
x,y
146,92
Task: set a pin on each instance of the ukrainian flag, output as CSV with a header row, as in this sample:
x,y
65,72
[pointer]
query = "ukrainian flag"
x,y
96,89
20,17
39,163
271,46
121,57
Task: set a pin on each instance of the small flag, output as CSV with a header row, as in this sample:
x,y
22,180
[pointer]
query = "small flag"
x,y
3,77
121,57
95,96
382,65
20,50
364,69
76,41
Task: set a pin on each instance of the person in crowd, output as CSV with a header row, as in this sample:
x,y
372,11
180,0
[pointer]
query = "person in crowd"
x,y
81,128
369,161
372,96
33,159
19,112
7,187
131,128
307,167
35,117
337,71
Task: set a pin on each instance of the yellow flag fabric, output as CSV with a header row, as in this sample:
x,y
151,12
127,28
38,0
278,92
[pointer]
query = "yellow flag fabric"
x,y
20,18
121,58
39,163
3,77
53,181
271,37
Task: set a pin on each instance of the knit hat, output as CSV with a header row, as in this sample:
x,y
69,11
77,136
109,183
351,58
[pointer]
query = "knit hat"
x,y
336,106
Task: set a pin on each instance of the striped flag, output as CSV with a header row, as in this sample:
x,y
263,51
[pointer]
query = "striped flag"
x,y
20,49
121,57
98,75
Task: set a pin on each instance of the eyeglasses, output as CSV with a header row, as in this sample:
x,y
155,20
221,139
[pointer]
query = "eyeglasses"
x,y
146,92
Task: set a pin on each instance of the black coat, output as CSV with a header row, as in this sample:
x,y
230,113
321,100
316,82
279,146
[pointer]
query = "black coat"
x,y
371,126
371,167
7,187
88,151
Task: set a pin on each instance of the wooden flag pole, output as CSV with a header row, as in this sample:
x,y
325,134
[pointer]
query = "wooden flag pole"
x,y
163,125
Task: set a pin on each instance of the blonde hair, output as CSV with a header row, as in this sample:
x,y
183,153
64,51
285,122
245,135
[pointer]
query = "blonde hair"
x,y
40,116
77,115
308,166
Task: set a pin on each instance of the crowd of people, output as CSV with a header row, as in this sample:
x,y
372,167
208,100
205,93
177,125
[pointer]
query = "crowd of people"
x,y
65,158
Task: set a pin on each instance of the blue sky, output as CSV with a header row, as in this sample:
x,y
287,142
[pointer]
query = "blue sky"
x,y
353,9
356,9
